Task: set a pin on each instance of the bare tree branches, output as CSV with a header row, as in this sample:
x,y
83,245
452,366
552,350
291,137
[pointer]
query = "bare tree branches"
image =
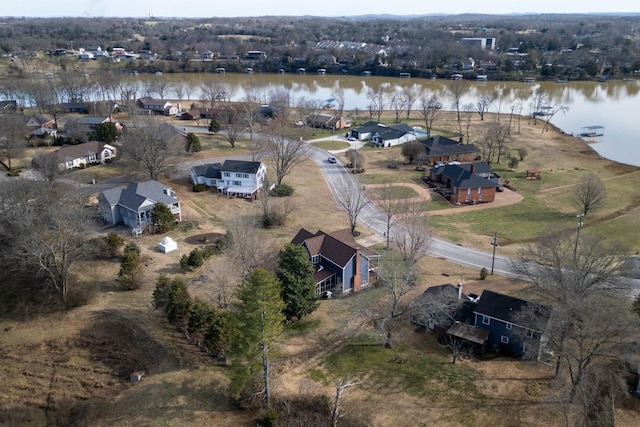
x,y
284,153
431,111
338,411
352,198
590,194
152,147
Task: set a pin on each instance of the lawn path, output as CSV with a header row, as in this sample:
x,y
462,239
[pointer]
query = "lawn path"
x,y
561,187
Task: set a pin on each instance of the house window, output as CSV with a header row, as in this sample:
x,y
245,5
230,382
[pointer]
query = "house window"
x,y
226,174
242,175
529,333
315,259
504,339
526,348
509,325
485,320
237,183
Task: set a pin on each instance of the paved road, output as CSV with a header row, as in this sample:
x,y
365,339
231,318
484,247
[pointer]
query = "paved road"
x,y
337,176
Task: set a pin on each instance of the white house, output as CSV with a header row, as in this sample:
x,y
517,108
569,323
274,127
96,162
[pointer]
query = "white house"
x,y
157,106
132,205
92,152
233,177
392,135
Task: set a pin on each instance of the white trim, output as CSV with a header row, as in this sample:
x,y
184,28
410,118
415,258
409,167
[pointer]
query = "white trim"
x,y
504,339
509,325
486,320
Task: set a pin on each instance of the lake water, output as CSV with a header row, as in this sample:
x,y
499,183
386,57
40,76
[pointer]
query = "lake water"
x,y
614,104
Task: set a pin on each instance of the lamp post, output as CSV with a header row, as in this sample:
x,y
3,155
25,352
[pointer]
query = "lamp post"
x,y
580,225
494,243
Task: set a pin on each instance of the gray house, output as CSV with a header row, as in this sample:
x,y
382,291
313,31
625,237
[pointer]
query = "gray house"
x,y
132,205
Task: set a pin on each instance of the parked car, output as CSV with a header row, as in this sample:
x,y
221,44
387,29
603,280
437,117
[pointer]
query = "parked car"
x,y
499,188
331,159
351,138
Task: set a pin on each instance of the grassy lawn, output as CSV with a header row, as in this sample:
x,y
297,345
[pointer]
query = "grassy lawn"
x,y
426,371
331,145
392,192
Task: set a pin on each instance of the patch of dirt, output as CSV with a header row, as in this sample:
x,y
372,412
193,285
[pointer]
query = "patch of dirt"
x,y
204,238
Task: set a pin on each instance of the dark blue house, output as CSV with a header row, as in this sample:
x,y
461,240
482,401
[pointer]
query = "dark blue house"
x,y
516,327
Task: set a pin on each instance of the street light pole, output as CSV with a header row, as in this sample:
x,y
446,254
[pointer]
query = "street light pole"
x,y
580,225
494,242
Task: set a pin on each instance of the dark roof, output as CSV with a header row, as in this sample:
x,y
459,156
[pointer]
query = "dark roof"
x,y
91,120
370,126
461,176
512,310
441,146
403,127
137,193
336,247
211,170
72,152
10,105
389,133
241,166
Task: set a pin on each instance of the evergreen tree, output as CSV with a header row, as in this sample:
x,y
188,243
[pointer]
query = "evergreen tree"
x,y
214,126
162,218
105,132
193,143
201,317
259,324
131,274
295,272
218,338
161,292
179,304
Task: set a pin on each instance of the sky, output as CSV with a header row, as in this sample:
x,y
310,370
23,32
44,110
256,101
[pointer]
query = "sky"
x,y
233,8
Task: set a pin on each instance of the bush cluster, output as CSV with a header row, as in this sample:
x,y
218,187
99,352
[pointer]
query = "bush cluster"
x,y
282,190
199,188
197,257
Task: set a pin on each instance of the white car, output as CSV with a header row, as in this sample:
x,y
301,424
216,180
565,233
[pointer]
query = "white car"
x,y
351,138
331,159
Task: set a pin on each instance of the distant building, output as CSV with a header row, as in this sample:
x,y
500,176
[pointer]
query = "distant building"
x,y
486,43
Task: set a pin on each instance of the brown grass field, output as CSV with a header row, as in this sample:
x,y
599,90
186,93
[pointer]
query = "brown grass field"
x,y
72,368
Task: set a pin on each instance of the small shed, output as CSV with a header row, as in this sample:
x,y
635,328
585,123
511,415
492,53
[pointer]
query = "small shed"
x,y
167,245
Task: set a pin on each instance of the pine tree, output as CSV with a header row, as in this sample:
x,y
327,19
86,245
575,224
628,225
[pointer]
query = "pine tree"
x,y
259,324
131,274
193,143
162,218
179,304
201,316
298,287
219,337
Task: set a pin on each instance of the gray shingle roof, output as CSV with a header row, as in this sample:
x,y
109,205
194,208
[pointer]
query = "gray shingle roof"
x,y
136,193
510,309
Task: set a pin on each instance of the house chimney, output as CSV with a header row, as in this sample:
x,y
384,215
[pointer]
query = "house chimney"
x,y
461,139
357,277
472,169
459,291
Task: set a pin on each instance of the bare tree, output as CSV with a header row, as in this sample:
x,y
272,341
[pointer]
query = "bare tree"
x,y
250,103
47,165
580,280
589,194
377,100
398,104
129,95
214,91
456,90
248,248
12,138
413,237
467,114
410,96
160,86
232,122
484,102
284,153
152,146
539,101
390,207
549,115
431,111
337,410
339,96
353,200
397,278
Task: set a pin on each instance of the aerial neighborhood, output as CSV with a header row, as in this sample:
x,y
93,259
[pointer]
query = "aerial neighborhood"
x,y
310,221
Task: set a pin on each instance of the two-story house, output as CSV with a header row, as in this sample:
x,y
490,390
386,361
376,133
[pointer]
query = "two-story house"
x,y
515,326
132,205
233,177
340,264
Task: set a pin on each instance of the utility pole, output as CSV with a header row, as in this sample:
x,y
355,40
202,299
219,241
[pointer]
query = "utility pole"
x,y
580,225
494,243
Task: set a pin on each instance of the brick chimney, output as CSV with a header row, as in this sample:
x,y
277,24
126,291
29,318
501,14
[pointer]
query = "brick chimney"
x,y
461,139
357,277
472,168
